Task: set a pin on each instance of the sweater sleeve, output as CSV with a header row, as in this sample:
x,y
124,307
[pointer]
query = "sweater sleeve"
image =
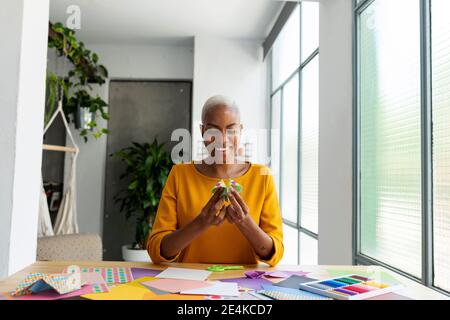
x,y
166,220
271,221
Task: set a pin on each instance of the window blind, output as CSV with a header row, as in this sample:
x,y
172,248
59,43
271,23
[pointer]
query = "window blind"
x,y
441,140
390,134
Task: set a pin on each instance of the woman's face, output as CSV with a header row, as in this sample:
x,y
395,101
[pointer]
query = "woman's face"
x,y
221,131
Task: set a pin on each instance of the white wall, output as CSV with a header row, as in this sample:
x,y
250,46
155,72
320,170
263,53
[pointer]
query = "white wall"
x,y
234,68
157,62
335,132
24,28
173,61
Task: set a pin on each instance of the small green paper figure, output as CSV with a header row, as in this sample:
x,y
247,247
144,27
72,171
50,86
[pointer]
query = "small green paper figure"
x,y
227,188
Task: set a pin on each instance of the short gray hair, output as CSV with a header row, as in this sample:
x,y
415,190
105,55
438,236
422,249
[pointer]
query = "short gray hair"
x,y
219,100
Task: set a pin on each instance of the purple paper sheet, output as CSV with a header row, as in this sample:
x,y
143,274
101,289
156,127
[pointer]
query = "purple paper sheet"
x,y
273,274
255,284
143,272
254,274
285,274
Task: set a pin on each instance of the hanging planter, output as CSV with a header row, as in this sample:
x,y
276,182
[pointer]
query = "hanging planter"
x,y
84,119
80,105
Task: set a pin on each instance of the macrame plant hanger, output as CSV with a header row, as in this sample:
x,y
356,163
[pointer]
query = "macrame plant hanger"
x,y
66,219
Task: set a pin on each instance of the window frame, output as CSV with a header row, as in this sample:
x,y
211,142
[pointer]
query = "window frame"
x,y
280,89
426,278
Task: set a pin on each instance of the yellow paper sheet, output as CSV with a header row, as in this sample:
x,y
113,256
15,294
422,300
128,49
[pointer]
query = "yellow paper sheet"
x,y
128,291
172,296
136,291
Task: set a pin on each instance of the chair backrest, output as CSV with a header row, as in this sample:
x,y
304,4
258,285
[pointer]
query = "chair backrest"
x,y
83,247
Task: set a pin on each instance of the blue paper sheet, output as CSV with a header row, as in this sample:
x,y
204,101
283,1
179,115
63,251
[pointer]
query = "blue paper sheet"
x,y
306,294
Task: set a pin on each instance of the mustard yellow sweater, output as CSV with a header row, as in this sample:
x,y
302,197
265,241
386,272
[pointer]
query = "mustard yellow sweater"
x,y
184,195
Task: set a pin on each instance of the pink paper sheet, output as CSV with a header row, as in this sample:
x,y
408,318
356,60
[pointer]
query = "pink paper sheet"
x,y
53,295
92,278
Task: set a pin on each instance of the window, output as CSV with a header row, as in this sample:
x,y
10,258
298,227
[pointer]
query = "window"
x,y
294,134
286,51
441,140
309,161
289,150
390,134
275,137
402,170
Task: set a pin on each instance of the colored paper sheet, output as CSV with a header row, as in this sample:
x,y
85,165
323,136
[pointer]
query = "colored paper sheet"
x,y
255,284
293,282
92,278
298,294
389,296
243,296
129,291
260,296
36,282
255,274
99,287
152,296
143,272
218,288
184,274
53,295
176,285
3,297
285,274
40,286
111,275
156,291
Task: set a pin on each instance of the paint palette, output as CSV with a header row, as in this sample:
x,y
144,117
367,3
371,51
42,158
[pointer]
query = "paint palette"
x,y
351,287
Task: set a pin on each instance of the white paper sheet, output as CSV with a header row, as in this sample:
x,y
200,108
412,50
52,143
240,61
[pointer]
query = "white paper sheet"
x,y
229,289
184,274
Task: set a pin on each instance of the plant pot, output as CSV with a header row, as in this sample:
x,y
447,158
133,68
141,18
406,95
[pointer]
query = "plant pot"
x,y
134,255
83,117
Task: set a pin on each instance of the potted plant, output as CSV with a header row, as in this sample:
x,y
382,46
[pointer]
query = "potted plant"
x,y
75,88
147,168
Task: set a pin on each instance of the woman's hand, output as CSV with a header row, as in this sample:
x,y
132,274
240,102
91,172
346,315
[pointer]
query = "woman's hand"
x,y
213,213
237,212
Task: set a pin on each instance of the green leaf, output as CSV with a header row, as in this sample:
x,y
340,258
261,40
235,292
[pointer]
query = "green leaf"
x,y
133,185
103,71
105,116
97,135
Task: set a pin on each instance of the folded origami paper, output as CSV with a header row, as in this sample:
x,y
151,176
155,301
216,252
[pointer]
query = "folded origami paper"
x,y
228,185
37,282
69,283
273,274
53,295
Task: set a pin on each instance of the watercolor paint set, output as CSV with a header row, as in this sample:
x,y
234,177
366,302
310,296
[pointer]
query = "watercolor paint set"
x,y
350,287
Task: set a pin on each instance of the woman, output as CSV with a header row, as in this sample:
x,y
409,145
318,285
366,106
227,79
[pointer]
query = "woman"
x,y
192,225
